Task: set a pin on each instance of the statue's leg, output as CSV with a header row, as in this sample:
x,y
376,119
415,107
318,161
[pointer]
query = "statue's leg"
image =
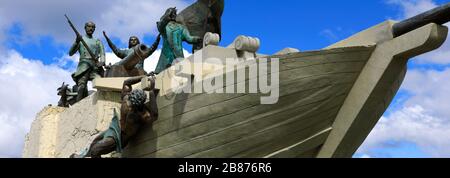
x,y
153,104
87,153
196,47
82,86
104,146
94,76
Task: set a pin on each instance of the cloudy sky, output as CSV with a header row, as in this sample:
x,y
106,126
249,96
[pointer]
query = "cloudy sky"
x,y
34,40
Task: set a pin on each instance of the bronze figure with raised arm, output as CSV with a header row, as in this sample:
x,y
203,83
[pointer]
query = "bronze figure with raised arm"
x,y
134,46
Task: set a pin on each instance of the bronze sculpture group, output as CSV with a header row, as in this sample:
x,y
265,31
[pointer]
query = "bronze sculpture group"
x,y
136,110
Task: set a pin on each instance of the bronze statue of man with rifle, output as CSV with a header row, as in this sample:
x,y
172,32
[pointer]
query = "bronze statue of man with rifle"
x,y
92,58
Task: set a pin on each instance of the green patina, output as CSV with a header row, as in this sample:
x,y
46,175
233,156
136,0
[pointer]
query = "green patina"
x,y
86,64
123,53
173,38
114,132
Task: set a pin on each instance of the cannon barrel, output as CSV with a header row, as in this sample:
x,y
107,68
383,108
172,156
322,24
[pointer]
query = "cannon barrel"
x,y
439,15
127,66
140,52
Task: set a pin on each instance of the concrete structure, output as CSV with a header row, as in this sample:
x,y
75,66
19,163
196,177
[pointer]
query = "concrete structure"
x,y
377,84
41,140
59,132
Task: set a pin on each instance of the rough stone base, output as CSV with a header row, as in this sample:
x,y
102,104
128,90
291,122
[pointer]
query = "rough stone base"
x,y
59,132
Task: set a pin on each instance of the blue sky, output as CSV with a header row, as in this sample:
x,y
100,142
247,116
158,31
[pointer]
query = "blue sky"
x,y
44,40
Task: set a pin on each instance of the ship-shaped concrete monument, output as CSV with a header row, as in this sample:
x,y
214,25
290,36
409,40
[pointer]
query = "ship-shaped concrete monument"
x,y
329,99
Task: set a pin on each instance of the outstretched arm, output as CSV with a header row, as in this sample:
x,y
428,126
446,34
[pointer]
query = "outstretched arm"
x,y
119,53
155,44
75,46
152,105
190,39
133,80
102,56
127,85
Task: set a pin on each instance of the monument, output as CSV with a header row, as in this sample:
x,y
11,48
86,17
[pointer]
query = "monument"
x,y
328,100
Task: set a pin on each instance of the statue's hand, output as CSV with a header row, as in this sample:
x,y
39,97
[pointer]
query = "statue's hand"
x,y
108,66
159,37
101,64
104,34
198,40
151,74
156,43
78,39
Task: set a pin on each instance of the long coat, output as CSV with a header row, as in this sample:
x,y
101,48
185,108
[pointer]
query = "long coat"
x,y
173,44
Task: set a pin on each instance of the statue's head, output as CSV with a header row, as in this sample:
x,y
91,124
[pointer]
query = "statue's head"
x,y
63,89
89,27
170,14
137,98
134,41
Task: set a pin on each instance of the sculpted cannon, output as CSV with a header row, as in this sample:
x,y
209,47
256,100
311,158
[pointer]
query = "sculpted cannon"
x,y
132,63
127,66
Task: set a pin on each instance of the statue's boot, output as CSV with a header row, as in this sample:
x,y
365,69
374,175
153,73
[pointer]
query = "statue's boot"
x,y
102,147
82,92
76,156
82,86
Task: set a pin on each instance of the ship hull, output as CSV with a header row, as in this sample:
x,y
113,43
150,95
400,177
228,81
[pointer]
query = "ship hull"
x,y
313,87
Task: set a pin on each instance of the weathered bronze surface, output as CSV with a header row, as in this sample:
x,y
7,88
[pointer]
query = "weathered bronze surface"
x,y
173,34
68,96
92,58
201,17
135,112
132,63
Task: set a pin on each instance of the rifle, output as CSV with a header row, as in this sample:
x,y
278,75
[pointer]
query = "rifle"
x,y
94,58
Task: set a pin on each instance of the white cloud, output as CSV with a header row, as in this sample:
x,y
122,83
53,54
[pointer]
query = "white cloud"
x,y
413,124
329,34
152,61
111,58
27,86
410,8
430,89
68,62
364,156
423,120
120,18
